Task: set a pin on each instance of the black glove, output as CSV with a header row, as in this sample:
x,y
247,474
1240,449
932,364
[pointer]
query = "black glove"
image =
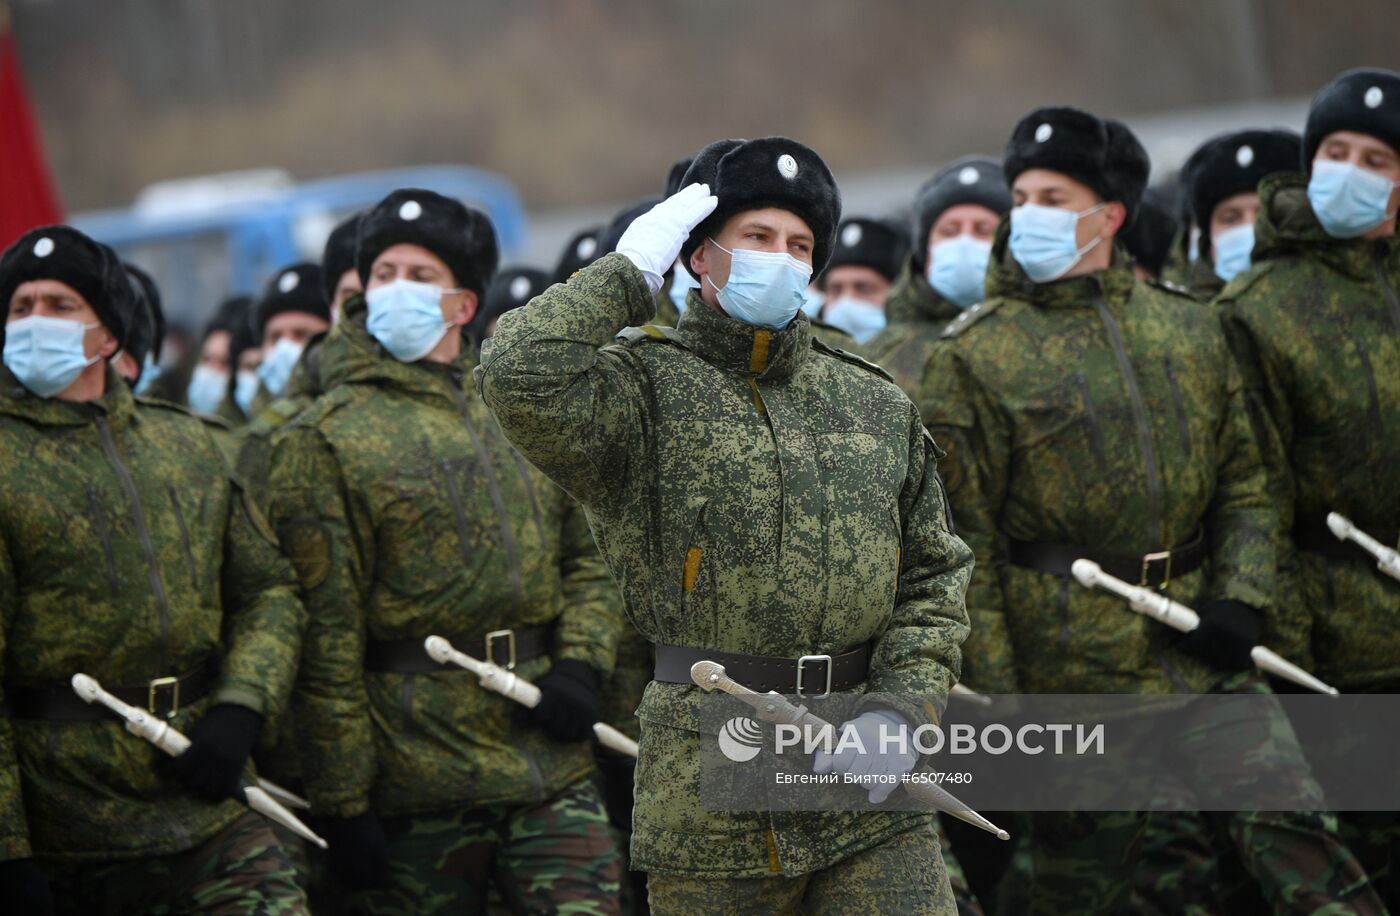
x,y
357,849
220,743
1228,630
24,888
568,701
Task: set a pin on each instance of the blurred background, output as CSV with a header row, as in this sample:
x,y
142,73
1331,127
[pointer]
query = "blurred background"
x,y
214,140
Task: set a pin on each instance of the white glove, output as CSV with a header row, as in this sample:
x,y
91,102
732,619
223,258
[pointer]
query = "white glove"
x,y
883,767
654,240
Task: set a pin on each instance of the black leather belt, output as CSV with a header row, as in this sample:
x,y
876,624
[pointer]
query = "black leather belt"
x,y
162,696
1319,540
1154,570
808,676
506,648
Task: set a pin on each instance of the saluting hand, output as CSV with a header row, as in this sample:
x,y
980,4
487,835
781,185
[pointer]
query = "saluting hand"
x,y
654,240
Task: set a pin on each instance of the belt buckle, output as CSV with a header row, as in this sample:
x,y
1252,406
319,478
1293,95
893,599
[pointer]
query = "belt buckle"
x,y
154,688
1148,559
509,636
801,664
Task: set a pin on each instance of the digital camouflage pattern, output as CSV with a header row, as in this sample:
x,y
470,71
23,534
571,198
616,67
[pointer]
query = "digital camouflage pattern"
x,y
1315,324
1107,413
1200,279
917,315
903,876
407,514
754,492
254,439
240,870
556,857
126,552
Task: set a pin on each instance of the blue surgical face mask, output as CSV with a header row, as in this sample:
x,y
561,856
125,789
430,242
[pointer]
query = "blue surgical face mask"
x,y
150,372
245,388
277,365
1349,201
1193,245
681,285
47,354
813,301
858,318
406,318
765,288
207,388
1233,249
1043,240
957,269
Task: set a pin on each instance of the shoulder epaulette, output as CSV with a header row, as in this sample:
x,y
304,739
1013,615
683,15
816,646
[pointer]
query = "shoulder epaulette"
x,y
280,411
649,332
1168,286
1243,281
853,359
323,406
970,316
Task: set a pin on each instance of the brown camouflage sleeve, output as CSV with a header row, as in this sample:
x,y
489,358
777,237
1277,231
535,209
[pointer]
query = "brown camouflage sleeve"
x,y
330,545
591,624
14,829
573,409
918,658
263,619
966,424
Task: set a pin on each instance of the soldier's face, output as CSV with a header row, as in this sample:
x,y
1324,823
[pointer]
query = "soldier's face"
x,y
1238,210
1054,189
250,359
348,285
418,264
214,353
1365,151
855,282
298,327
55,299
963,219
769,229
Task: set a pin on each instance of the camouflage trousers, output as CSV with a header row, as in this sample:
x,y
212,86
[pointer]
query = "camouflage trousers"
x,y
903,876
557,857
239,870
1087,862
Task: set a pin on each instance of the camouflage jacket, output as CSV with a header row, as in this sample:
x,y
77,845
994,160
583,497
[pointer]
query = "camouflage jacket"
x,y
1316,327
254,439
1200,279
407,514
752,491
1103,413
917,316
128,553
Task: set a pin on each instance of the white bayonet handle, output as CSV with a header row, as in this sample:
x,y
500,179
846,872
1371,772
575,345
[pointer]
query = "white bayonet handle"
x,y
1387,558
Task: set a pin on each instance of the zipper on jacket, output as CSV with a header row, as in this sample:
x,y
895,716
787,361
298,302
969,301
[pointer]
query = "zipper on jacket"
x,y
1388,291
1091,418
1180,406
497,500
529,490
104,534
138,515
184,535
1373,411
1144,429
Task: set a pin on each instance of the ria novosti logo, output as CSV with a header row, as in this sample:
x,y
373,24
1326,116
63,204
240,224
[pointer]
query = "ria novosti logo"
x,y
741,739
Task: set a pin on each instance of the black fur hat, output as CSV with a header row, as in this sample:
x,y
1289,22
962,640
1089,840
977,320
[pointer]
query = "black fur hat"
x,y
608,239
1234,163
1102,154
297,288
969,180
462,237
64,254
512,288
770,172
581,251
1364,100
338,256
148,326
677,174
1149,238
872,243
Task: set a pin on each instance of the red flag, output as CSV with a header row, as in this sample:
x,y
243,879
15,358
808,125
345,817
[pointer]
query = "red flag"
x,y
26,193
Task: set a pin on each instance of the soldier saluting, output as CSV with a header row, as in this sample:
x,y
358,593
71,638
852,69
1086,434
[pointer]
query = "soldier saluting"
x,y
759,497
127,553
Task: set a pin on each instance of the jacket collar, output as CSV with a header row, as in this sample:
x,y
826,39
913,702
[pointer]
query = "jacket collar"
x,y
743,348
1007,279
116,404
